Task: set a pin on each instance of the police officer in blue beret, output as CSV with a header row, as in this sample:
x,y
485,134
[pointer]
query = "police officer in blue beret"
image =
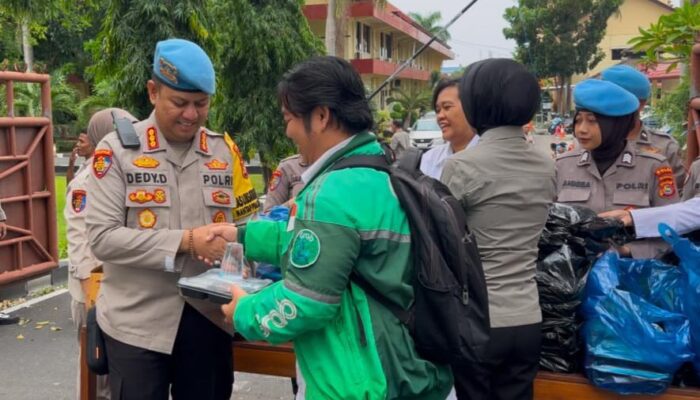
x,y
153,198
608,171
648,139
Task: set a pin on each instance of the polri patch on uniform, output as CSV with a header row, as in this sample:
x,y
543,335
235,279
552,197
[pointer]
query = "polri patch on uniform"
x,y
306,249
152,138
275,180
203,145
146,162
667,182
79,200
101,162
147,218
219,217
221,197
216,165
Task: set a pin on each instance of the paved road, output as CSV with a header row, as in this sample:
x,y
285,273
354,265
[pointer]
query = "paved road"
x,y
43,364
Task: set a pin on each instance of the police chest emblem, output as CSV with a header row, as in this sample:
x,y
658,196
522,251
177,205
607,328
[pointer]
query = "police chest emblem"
x,y
101,162
275,180
219,217
667,183
306,249
146,162
221,197
152,138
216,165
78,200
147,218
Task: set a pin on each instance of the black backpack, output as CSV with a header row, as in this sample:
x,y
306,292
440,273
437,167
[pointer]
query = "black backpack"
x,y
449,319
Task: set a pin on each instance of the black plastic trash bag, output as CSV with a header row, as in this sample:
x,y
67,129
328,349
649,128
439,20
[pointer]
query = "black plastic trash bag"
x,y
572,239
636,336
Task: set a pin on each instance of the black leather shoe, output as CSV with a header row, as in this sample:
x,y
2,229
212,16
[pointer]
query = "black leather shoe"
x,y
7,319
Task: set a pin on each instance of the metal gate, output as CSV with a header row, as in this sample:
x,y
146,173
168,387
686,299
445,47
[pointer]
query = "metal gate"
x,y
27,191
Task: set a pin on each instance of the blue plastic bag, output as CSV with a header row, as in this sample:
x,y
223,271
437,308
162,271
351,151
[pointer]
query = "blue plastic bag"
x,y
635,334
689,254
269,271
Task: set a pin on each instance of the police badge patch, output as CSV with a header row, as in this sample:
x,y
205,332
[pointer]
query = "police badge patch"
x,y
78,200
667,182
306,249
147,219
274,180
101,162
219,217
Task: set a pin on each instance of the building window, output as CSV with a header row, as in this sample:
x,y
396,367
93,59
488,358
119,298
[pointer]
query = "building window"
x,y
362,39
385,40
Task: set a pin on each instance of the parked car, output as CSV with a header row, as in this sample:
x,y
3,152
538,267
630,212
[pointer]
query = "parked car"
x,y
426,134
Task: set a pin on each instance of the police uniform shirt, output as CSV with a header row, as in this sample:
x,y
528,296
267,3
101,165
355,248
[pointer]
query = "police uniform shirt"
x,y
400,142
653,141
636,180
433,160
142,201
285,182
692,185
81,261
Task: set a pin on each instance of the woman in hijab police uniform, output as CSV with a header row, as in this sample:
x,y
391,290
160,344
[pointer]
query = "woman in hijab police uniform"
x,y
607,172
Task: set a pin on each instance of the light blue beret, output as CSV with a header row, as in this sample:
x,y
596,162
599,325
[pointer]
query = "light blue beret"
x,y
184,66
605,98
630,79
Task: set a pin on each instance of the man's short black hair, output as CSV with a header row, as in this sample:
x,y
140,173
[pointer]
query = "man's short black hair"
x,y
397,123
331,82
442,85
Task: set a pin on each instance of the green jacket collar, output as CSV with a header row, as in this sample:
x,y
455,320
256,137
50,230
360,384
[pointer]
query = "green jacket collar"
x,y
360,140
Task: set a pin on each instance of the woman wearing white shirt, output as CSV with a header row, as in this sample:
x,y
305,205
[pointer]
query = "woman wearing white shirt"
x,y
456,132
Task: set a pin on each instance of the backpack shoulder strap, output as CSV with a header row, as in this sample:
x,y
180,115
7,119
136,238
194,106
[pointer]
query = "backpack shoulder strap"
x,y
410,159
363,161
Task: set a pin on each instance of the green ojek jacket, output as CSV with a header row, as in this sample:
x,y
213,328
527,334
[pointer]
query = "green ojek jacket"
x,y
348,346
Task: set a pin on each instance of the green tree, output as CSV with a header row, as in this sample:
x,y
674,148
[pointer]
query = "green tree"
x,y
559,38
123,49
430,21
413,100
250,63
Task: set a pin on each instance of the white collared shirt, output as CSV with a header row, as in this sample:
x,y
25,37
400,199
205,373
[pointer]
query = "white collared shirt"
x,y
316,166
434,159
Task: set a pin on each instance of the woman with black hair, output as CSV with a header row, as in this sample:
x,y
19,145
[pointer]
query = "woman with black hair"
x,y
607,172
505,186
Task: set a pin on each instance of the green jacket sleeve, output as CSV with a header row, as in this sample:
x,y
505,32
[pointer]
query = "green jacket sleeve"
x,y
264,241
317,268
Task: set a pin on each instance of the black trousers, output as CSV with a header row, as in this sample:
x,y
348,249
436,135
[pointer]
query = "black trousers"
x,y
200,367
509,369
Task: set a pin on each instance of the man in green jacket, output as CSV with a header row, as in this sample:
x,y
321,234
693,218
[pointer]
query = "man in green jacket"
x,y
344,222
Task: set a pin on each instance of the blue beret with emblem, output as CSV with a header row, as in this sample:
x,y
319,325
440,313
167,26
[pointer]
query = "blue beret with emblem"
x,y
184,66
605,98
629,79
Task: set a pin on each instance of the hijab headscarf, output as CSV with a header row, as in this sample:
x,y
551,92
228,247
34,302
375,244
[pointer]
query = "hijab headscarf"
x,y
498,92
101,123
613,132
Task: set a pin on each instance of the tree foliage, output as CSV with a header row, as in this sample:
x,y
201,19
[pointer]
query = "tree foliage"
x,y
413,101
123,49
431,21
256,43
559,38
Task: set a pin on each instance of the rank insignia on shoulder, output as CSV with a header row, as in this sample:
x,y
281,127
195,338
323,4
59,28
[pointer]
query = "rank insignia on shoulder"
x,y
216,165
146,162
79,200
275,180
650,149
306,248
152,138
221,197
219,217
147,218
203,145
101,162
584,157
627,158
644,136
